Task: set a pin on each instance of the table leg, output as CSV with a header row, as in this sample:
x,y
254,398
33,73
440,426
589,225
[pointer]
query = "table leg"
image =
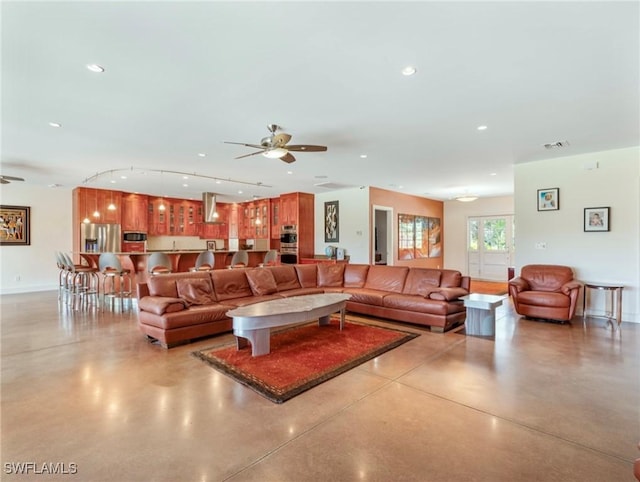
x,y
260,340
619,305
480,322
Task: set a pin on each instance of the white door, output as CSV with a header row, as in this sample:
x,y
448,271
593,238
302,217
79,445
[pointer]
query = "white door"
x,y
490,247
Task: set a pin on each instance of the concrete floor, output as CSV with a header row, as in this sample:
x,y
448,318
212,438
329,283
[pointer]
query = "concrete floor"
x,y
540,402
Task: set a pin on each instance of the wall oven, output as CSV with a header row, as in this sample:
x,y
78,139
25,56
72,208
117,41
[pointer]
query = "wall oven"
x,y
289,244
134,242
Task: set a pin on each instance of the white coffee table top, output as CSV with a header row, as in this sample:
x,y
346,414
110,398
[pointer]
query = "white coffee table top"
x,y
484,302
294,304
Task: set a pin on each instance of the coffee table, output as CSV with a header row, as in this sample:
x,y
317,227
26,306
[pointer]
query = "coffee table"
x,y
481,313
254,322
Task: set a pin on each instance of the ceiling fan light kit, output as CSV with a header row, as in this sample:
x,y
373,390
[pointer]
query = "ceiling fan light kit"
x,y
276,146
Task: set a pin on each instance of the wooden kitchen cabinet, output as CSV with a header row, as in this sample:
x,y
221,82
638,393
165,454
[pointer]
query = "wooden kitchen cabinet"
x,y
274,207
135,208
158,217
93,204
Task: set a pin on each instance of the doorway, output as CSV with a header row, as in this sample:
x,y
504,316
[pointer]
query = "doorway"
x,y
382,235
490,247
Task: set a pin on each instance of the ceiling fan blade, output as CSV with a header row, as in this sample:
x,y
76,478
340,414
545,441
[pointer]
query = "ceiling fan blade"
x,y
11,178
307,148
280,140
4,181
255,146
288,158
249,155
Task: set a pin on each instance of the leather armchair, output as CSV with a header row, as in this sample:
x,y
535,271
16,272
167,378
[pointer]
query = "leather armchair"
x,y
545,291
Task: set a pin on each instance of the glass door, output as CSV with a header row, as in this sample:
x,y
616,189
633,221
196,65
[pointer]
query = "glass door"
x,y
490,247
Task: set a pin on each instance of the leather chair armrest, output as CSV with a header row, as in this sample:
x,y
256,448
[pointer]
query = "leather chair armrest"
x,y
570,286
519,284
160,305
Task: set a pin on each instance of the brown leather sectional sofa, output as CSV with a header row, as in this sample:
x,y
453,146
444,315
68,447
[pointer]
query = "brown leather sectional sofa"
x,y
179,307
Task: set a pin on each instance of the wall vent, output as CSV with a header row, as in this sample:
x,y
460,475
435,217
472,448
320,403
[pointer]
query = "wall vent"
x,y
557,145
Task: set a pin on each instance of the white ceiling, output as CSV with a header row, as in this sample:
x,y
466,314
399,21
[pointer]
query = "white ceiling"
x,y
182,77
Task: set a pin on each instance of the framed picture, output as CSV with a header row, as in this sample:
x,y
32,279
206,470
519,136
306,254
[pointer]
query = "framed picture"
x,y
15,225
549,199
211,245
596,219
331,222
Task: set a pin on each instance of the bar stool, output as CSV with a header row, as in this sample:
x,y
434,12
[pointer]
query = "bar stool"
x,y
240,259
204,262
117,283
159,263
81,283
270,258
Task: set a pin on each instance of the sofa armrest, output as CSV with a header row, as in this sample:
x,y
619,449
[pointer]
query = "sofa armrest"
x,y
160,305
567,288
465,282
519,284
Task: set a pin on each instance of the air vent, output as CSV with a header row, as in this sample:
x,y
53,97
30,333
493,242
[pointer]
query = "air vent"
x,y
557,145
333,185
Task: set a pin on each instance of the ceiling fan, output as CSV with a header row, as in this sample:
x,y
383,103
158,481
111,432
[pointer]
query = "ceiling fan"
x,y
275,146
8,179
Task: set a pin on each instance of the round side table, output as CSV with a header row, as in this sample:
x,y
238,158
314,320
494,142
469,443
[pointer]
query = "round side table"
x,y
615,294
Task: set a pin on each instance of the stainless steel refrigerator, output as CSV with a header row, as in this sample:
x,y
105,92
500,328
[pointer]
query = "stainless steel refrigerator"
x,y
100,238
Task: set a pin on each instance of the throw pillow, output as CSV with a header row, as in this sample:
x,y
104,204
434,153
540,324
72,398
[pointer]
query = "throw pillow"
x,y
261,281
196,291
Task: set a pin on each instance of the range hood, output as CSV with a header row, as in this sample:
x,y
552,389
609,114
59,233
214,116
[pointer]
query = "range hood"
x,y
209,212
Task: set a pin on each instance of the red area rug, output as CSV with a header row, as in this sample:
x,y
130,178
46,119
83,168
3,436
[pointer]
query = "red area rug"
x,y
304,356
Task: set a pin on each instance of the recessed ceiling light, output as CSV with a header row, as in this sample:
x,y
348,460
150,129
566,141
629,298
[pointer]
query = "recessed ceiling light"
x,y
363,156
185,185
124,177
289,172
202,154
408,70
239,192
95,68
493,174
218,181
482,128
185,177
113,181
55,124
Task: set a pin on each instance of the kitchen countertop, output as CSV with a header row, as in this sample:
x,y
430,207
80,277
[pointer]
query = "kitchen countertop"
x,y
178,251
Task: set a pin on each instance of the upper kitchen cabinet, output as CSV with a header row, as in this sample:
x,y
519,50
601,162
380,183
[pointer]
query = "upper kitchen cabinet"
x,y
100,206
158,216
274,207
135,209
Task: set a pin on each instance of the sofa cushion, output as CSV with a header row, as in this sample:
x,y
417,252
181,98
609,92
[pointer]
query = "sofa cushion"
x,y
261,281
544,298
307,275
366,296
330,274
161,304
286,277
230,283
422,281
450,278
421,305
355,275
162,286
386,278
545,277
196,291
448,294
195,315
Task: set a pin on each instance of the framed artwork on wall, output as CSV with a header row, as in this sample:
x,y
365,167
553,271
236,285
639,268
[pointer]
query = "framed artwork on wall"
x,y
596,219
15,225
331,222
549,199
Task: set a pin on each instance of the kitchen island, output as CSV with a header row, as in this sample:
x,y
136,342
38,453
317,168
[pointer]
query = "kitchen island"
x,y
181,260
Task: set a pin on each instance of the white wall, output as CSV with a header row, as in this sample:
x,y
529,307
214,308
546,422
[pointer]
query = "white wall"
x,y
595,256
456,215
35,265
353,218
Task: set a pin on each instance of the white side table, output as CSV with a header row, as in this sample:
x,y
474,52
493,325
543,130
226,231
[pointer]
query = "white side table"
x,y
481,313
615,292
